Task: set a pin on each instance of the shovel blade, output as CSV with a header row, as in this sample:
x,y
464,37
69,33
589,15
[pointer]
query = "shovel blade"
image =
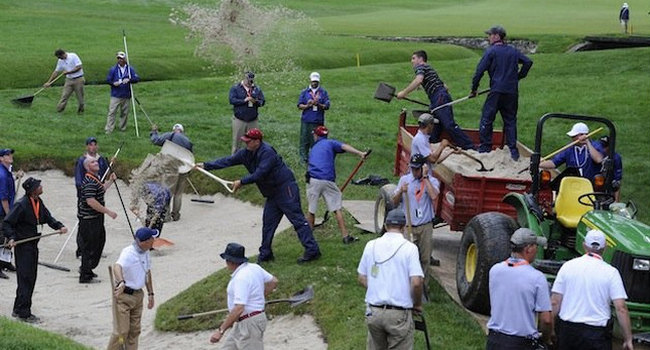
x,y
302,296
23,101
384,92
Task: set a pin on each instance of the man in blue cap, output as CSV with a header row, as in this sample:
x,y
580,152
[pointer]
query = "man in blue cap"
x,y
131,273
247,290
501,61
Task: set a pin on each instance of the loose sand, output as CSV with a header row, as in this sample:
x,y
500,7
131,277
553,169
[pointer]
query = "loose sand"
x,y
83,312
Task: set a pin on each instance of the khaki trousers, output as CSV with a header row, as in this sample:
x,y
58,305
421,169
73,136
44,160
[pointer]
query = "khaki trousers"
x,y
247,334
422,237
177,196
121,104
390,329
126,321
239,128
76,85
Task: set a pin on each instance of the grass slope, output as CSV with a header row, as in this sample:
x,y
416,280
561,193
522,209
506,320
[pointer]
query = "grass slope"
x,y
20,336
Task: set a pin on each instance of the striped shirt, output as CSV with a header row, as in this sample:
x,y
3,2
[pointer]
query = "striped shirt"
x,y
431,80
91,187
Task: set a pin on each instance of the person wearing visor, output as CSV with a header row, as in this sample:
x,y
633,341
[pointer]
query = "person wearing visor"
x,y
519,297
582,156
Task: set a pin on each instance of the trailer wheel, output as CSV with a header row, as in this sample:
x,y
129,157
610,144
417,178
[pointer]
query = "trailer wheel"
x,y
383,205
485,242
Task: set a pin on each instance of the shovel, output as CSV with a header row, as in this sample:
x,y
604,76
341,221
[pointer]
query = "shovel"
x,y
420,325
459,100
187,157
26,101
296,299
472,157
386,93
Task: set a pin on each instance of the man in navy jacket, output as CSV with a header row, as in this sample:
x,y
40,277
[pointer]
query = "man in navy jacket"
x,y
501,61
278,185
245,99
120,77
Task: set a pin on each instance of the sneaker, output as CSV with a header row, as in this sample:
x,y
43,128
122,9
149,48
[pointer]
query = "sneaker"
x,y
349,239
89,281
3,275
30,319
303,259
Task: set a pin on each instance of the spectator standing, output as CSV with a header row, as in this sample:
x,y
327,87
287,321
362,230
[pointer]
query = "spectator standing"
x,y
313,102
420,189
583,155
7,196
624,16
177,136
582,293
245,98
602,146
21,223
92,151
390,271
501,61
518,297
426,76
278,185
321,173
131,273
247,290
120,77
69,64
90,212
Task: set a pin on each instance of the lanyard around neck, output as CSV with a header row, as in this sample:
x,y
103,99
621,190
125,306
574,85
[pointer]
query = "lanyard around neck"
x,y
36,207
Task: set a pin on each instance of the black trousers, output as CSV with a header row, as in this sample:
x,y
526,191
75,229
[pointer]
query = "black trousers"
x,y
582,336
93,238
26,268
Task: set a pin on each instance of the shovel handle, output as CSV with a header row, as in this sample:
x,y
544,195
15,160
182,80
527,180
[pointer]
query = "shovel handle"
x,y
51,82
33,238
227,184
459,100
354,172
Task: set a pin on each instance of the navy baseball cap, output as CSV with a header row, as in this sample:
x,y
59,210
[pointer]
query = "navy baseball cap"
x,y
145,233
6,151
91,139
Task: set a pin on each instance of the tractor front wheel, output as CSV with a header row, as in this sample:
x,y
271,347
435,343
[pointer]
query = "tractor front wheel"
x,y
485,242
383,205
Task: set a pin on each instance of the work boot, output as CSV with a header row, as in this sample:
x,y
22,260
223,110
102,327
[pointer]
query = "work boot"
x,y
305,258
30,319
434,262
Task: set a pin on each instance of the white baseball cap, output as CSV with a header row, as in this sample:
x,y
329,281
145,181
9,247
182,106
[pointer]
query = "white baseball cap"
x,y
314,76
178,126
578,128
595,239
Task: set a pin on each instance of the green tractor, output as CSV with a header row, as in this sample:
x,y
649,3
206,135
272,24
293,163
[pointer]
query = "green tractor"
x,y
562,209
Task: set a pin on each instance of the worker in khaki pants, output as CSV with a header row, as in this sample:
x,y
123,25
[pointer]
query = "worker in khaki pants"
x,y
132,272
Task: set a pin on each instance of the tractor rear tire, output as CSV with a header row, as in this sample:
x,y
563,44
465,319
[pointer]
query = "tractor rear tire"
x,y
485,242
383,205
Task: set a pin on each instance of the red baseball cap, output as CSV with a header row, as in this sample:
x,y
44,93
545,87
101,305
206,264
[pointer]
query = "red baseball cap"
x,y
252,134
321,130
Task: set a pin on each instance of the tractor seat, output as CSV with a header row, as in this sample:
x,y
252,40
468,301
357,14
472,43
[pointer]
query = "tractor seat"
x,y
567,208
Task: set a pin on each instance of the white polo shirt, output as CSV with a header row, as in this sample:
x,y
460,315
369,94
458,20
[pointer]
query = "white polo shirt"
x,y
588,285
396,260
135,265
69,63
246,287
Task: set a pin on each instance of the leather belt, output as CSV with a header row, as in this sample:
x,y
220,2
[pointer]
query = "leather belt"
x,y
130,291
390,307
426,223
250,315
81,76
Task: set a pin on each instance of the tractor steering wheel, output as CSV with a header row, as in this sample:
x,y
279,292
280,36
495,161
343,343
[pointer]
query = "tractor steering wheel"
x,y
596,199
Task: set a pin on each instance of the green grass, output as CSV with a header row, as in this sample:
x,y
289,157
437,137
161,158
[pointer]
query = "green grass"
x,y
20,336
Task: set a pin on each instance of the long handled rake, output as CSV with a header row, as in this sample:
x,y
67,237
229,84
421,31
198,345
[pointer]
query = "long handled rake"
x,y
298,298
26,101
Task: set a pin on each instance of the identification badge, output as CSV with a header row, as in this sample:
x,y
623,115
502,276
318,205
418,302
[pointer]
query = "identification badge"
x,y
419,213
314,108
374,270
250,103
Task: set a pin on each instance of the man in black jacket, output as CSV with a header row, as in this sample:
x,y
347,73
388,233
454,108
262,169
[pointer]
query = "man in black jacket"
x,y
21,223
